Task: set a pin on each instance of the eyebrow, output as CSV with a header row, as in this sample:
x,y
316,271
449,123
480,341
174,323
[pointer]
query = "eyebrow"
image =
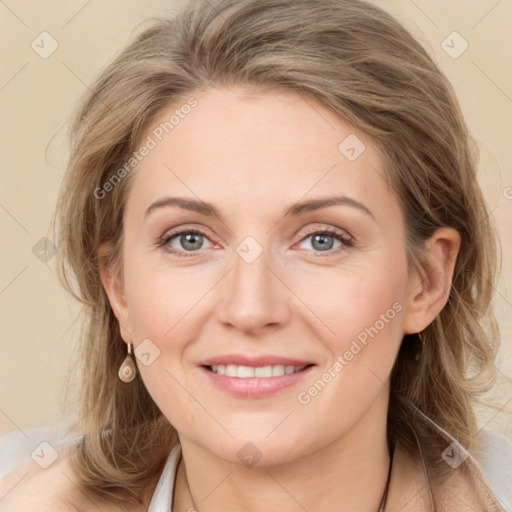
x,y
209,210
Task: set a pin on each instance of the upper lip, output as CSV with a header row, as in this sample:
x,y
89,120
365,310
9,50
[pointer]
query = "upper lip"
x,y
254,361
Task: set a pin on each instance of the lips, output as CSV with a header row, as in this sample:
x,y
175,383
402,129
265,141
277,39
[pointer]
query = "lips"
x,y
254,361
256,376
242,366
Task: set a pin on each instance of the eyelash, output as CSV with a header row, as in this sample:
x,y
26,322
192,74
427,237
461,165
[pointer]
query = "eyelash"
x,y
345,240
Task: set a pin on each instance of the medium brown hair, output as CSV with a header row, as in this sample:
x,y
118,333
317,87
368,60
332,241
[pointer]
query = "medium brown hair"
x,y
351,57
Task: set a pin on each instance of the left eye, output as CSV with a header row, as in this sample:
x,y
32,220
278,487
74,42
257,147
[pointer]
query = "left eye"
x,y
188,240
323,241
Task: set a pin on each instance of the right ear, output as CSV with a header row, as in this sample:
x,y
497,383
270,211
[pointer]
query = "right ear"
x,y
112,281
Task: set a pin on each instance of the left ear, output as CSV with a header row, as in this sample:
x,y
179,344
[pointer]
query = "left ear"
x,y
429,289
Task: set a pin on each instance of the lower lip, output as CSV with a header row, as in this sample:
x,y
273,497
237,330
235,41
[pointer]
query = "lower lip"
x,y
255,387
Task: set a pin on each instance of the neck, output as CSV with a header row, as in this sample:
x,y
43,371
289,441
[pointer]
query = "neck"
x,y
348,474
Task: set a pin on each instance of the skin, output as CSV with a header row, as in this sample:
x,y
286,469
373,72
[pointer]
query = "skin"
x,y
252,156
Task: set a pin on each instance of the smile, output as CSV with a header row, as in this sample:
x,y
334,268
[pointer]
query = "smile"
x,y
245,372
245,381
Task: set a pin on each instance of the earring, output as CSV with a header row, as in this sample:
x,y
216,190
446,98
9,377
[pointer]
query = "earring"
x,y
128,369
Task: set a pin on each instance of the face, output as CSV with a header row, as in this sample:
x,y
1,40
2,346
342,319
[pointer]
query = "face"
x,y
270,316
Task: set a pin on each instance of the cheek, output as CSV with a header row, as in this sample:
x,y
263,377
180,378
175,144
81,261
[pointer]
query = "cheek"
x,y
162,299
365,313
361,314
369,309
351,301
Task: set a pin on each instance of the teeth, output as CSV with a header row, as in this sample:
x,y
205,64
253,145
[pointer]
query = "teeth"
x,y
244,372
231,370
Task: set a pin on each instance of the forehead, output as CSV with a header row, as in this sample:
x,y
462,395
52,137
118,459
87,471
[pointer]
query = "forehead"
x,y
237,146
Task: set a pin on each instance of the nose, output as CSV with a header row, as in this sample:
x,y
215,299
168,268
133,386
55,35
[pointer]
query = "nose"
x,y
255,299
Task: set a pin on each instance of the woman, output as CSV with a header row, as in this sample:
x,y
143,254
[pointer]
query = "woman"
x,y
287,265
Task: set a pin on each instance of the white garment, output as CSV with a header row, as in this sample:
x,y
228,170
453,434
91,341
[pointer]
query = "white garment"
x,y
492,452
162,496
19,446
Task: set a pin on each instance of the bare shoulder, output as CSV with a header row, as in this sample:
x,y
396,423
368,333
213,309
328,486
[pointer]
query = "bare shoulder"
x,y
31,488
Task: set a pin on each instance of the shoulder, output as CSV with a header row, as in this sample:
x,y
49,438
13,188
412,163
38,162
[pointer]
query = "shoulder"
x,y
30,488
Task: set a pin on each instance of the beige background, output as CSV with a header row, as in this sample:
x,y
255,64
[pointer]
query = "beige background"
x,y
38,333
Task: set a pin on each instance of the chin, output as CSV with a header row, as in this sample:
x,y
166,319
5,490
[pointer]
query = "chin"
x,y
258,451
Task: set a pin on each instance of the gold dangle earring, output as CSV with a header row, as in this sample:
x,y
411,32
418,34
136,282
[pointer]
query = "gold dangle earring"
x,y
128,369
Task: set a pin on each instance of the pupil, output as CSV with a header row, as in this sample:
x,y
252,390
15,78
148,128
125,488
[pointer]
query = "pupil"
x,y
323,244
189,239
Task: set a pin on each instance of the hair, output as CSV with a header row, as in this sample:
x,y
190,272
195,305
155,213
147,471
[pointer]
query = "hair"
x,y
352,57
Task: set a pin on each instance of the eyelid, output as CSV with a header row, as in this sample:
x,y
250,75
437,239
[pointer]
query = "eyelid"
x,y
326,229
184,228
